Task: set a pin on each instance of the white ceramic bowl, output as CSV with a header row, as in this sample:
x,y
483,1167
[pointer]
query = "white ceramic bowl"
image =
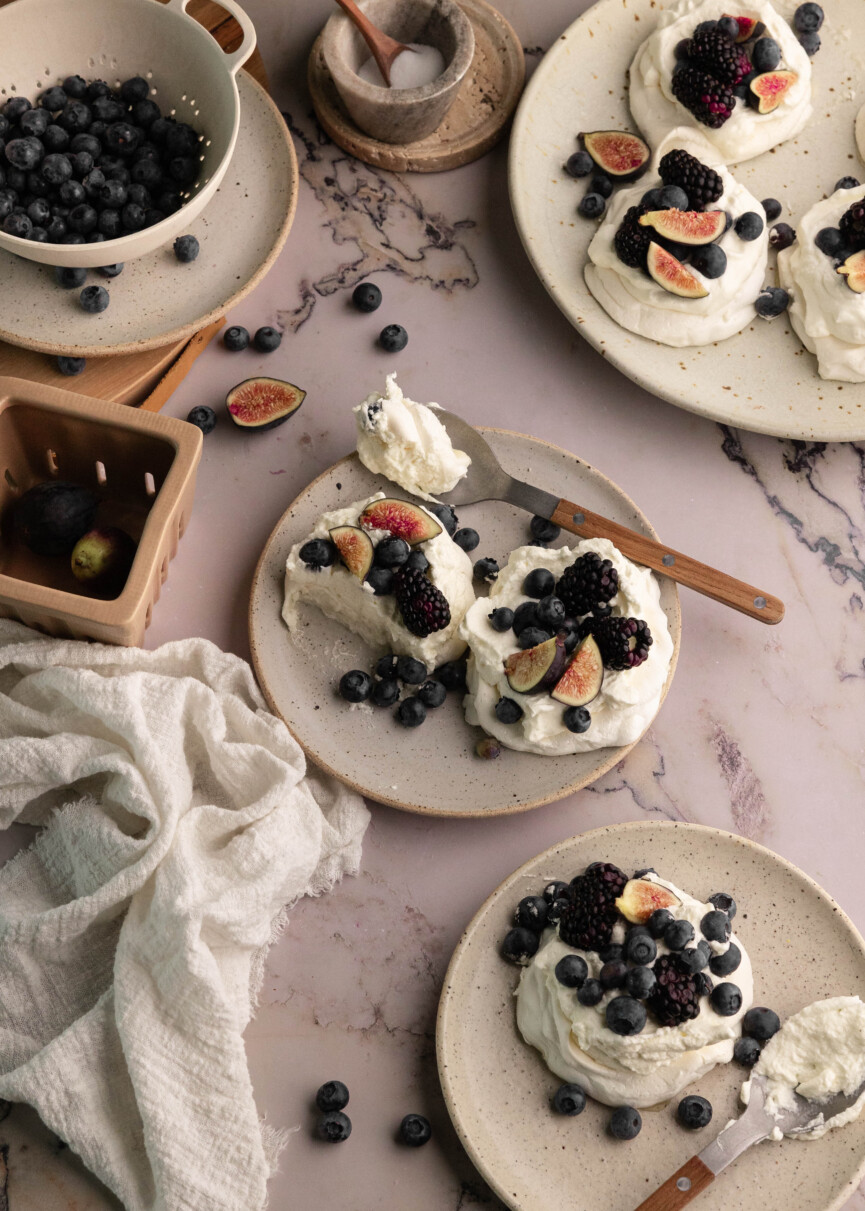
x,y
44,41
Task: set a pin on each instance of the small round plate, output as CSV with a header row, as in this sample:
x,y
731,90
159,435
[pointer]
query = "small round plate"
x,y
762,379
497,1088
433,769
156,300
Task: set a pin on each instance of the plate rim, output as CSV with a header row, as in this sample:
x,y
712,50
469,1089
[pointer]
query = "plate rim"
x,y
471,928
617,754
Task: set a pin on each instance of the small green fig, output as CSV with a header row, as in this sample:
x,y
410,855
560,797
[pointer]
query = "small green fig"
x,y
102,558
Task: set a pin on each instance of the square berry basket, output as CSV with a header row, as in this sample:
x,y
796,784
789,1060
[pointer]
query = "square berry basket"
x,y
142,465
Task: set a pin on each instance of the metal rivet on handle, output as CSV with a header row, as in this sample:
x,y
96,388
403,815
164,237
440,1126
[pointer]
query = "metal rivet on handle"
x,y
684,1183
668,560
760,603
579,519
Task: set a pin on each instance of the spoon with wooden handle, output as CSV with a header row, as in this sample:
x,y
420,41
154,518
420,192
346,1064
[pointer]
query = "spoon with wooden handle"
x,y
488,480
384,48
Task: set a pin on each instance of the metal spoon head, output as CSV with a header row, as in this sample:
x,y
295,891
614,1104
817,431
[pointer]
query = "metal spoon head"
x,y
805,1113
486,478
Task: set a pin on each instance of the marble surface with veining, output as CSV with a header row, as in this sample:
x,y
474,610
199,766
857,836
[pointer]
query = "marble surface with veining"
x,y
763,731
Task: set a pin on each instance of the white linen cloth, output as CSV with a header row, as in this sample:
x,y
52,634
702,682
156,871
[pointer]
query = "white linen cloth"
x,y
179,820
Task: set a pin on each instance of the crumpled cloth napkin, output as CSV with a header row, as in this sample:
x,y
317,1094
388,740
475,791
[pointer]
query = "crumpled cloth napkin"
x,y
179,821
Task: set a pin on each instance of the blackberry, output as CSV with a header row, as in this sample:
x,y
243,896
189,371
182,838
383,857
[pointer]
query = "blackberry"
x,y
702,184
588,920
718,57
710,101
853,227
589,581
424,608
632,241
623,642
676,996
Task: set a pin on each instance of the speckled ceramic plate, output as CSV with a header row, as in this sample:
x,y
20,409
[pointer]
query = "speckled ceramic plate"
x,y
434,768
762,379
497,1089
156,301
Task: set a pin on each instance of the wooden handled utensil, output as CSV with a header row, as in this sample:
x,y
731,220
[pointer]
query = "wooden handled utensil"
x,y
384,48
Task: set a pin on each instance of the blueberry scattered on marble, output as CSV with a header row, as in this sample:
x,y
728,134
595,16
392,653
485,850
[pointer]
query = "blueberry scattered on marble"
x,y
203,418
235,338
366,296
267,339
393,338
334,1127
415,1130
332,1095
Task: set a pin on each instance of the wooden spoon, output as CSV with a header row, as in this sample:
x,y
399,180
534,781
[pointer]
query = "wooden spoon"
x,y
384,48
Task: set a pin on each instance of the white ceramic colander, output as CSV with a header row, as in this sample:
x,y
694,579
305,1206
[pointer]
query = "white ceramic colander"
x,y
44,41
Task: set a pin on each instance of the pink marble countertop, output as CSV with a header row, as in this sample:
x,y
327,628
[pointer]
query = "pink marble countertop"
x,y
763,732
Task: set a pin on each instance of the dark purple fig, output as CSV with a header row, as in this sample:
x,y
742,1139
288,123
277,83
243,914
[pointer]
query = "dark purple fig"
x,y
102,558
263,403
401,519
618,153
50,518
537,668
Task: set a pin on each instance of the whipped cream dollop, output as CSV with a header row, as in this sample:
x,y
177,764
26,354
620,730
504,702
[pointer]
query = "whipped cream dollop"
x,y
641,1069
818,1052
827,316
407,443
628,700
746,133
377,620
633,299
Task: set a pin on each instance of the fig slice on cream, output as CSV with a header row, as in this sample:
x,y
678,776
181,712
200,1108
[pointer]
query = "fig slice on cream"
x,y
355,549
641,897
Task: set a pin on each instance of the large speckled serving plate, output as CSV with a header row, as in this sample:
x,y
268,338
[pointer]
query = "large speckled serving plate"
x,y
497,1089
434,768
762,379
157,301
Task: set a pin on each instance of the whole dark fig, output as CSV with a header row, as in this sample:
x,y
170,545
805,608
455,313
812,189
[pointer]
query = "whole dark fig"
x,y
50,518
101,559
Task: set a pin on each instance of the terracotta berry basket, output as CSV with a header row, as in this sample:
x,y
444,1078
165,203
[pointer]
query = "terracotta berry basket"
x,y
142,465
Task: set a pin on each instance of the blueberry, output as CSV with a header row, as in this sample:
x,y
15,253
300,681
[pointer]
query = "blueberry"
x,y
203,418
724,902
746,1052
466,538
678,934
830,241
55,231
145,113
600,183
392,552
393,338
640,982
183,170
555,890
417,560
625,1015
446,514
653,198
808,18
625,1123
592,206
70,277
519,944
94,299
318,553
17,224
572,971
334,1127
694,1112
761,1023
749,226
146,173
539,583
386,666
83,219
55,139
682,49
113,194
73,237
38,234
97,88
411,671
15,107
580,164
781,236
525,615
186,248
693,959
267,339
24,153
715,926
488,748
72,193
571,634
486,569
577,719
385,692
380,581
366,296
452,675
235,338
729,27
673,197
530,637
333,1095
75,87
610,952
54,98
355,686
508,711
111,271
70,365
612,974
75,116
569,1099
726,999
137,89
658,922
846,183
432,693
705,27
640,948
411,712
772,302
766,55
35,122
725,964
531,913
591,993
551,612
501,619
543,529
109,223
415,1130
710,260
138,195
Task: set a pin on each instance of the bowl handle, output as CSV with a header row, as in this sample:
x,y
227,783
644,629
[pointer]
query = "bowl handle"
x,y
238,57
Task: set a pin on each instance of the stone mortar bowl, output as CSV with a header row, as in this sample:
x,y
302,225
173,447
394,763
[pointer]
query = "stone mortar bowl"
x,y
401,115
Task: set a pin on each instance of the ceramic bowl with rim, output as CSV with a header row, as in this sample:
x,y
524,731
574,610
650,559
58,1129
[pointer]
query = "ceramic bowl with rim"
x,y
401,115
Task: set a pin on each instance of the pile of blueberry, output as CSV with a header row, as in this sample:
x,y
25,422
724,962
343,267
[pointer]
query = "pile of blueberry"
x,y
390,677
366,297
266,339
334,1125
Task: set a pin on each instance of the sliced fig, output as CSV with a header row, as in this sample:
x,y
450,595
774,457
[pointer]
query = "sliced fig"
x,y
770,89
687,226
355,549
672,274
537,668
618,153
853,270
749,27
581,681
263,403
641,897
400,518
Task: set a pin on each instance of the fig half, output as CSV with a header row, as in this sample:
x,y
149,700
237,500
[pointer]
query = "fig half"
x,y
102,559
401,519
749,27
672,274
355,549
581,681
853,270
640,898
687,226
618,153
770,89
263,403
537,668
